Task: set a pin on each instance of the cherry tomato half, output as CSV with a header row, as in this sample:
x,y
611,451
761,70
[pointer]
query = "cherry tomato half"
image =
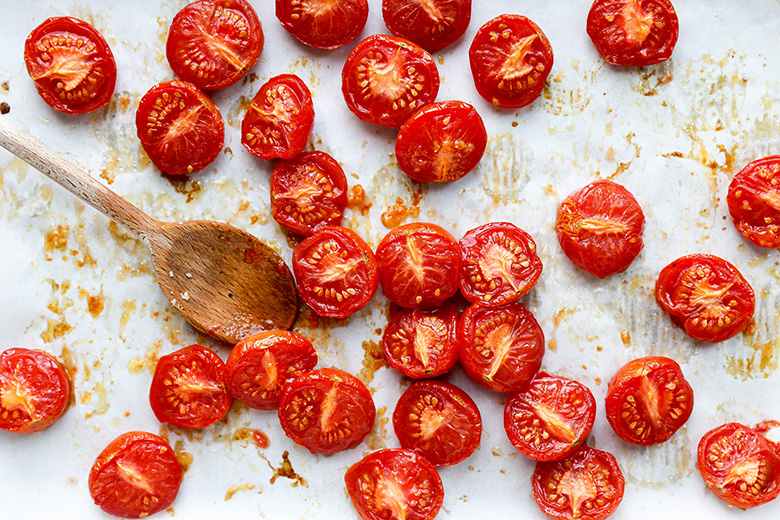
x,y
34,390
326,410
510,60
633,33
551,418
71,64
648,400
707,296
386,79
188,388
214,43
279,120
600,228
754,201
323,24
441,142
135,476
395,484
431,24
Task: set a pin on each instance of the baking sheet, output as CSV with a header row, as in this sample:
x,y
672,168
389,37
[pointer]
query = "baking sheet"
x,y
82,288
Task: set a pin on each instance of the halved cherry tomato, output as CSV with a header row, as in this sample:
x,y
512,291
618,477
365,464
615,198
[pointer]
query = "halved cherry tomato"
x,y
214,43
501,348
326,410
500,264
135,476
754,201
260,364
419,265
633,33
422,342
180,128
308,192
551,418
431,24
587,485
707,296
323,24
740,465
386,79
395,484
439,421
188,388
600,228
648,400
336,272
279,120
510,60
34,390
441,142
71,64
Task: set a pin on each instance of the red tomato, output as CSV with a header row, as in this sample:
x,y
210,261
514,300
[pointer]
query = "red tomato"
x,y
34,390
500,264
180,128
279,120
308,192
71,64
419,265
214,43
588,485
260,364
431,24
439,421
395,484
323,24
551,418
336,272
600,228
707,296
188,388
137,475
441,142
326,410
648,400
740,465
754,201
500,348
386,79
510,60
422,342
633,33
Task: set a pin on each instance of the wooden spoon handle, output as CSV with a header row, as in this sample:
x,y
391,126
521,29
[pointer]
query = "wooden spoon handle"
x,y
75,180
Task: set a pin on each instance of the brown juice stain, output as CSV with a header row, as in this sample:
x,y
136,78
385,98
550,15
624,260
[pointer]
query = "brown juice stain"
x,y
650,79
56,239
377,437
505,169
184,458
356,200
396,214
185,185
55,329
373,360
286,471
657,467
558,317
95,304
232,490
148,361
238,110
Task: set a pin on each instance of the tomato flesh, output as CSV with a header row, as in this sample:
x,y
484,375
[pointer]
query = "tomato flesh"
x,y
754,201
431,24
323,24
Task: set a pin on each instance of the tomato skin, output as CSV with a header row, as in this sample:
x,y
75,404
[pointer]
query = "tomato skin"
x,y
34,390
500,348
754,201
323,24
728,453
510,60
432,25
633,33
68,41
551,418
370,86
233,45
279,120
441,142
375,482
326,410
707,296
135,476
188,388
600,228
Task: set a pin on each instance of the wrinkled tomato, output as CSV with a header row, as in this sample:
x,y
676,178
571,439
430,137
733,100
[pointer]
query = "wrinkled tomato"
x,y
754,201
431,24
323,24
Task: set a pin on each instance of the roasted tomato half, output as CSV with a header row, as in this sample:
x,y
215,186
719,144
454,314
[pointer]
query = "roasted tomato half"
x,y
431,24
754,201
323,24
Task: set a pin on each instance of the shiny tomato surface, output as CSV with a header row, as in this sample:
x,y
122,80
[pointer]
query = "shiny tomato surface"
x,y
431,24
323,24
754,201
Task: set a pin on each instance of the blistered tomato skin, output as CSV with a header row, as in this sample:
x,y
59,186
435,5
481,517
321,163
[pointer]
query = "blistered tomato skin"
x,y
431,24
754,201
323,24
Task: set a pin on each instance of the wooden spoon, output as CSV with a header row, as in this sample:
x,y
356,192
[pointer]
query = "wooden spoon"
x,y
224,281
